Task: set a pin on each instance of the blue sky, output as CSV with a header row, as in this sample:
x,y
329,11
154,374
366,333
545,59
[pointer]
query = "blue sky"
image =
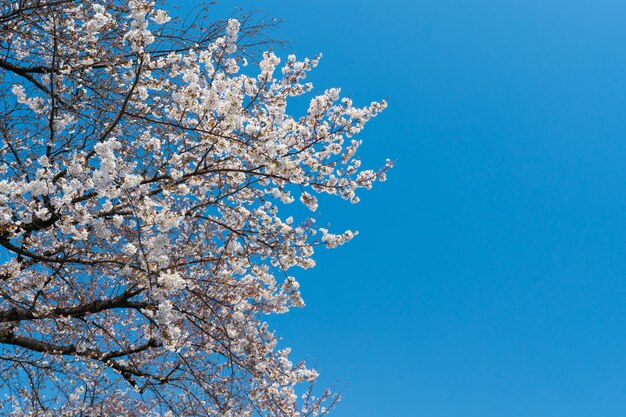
x,y
489,277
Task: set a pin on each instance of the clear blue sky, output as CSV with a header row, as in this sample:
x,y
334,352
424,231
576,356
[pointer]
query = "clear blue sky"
x,y
489,278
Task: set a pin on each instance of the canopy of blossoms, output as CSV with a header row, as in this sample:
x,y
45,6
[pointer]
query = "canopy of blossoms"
x,y
143,164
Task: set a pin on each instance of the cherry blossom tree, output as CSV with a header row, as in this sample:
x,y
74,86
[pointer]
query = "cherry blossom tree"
x,y
143,164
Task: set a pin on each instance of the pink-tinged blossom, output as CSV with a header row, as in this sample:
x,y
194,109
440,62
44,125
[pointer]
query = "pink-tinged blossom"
x,y
309,200
171,280
160,17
